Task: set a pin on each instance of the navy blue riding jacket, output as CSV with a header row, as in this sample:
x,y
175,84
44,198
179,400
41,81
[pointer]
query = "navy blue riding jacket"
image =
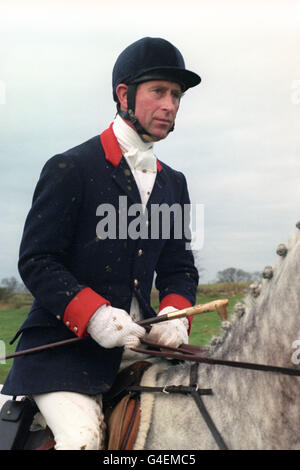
x,y
71,271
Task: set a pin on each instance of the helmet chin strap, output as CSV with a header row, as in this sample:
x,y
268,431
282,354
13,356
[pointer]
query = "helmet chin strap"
x,y
130,116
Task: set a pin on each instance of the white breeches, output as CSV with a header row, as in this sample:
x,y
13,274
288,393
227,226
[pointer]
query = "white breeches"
x,y
76,420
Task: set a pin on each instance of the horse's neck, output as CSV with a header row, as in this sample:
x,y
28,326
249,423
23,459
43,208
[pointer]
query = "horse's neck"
x,y
251,409
253,403
270,324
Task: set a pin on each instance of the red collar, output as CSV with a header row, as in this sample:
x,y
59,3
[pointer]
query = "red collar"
x,y
111,147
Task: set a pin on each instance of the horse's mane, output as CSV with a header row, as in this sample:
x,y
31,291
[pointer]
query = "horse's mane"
x,y
251,409
261,299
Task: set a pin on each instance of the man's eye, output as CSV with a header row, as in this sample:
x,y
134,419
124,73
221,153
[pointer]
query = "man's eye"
x,y
178,95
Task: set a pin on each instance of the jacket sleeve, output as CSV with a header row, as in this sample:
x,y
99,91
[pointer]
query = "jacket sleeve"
x,y
177,276
48,234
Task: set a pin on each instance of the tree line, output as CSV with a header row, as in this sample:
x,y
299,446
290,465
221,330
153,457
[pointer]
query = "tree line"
x,y
237,275
9,286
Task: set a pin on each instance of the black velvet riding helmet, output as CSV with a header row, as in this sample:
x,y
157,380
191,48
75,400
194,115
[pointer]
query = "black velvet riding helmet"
x,y
144,60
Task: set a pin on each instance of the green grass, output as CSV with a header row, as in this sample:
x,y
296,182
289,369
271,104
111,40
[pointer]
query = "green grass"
x,y
10,321
204,326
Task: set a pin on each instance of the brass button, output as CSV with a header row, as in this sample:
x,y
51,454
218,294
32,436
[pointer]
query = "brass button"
x,y
75,329
136,282
58,317
140,252
67,323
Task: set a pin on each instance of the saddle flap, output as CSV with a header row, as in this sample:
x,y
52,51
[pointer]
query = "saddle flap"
x,y
131,375
122,409
123,424
12,410
15,420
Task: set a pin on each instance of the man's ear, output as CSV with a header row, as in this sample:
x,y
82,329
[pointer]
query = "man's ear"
x,y
121,92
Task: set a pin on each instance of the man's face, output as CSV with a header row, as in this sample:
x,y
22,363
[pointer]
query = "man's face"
x,y
156,106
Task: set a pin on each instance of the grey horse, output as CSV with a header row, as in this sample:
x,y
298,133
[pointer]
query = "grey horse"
x,y
250,409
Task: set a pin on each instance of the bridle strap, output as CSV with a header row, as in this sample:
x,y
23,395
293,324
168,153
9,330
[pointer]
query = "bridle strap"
x,y
203,410
182,355
195,392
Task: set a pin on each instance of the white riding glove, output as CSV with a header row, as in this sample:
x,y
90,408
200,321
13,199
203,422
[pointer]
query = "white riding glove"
x,y
171,333
112,327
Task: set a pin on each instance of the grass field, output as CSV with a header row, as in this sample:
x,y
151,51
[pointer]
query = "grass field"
x,y
204,326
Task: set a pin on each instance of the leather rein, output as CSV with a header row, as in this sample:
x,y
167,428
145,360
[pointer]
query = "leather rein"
x,y
191,353
185,352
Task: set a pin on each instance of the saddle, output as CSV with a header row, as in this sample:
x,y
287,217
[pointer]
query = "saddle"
x,y
122,409
121,406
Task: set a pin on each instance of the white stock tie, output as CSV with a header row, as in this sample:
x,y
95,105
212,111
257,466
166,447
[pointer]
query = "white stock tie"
x,y
142,160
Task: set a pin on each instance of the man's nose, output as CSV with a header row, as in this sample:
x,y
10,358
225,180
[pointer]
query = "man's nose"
x,y
170,103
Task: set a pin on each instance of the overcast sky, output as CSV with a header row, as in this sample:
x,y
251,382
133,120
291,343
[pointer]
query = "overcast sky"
x,y
236,136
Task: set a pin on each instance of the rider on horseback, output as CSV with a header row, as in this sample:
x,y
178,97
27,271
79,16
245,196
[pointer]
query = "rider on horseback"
x,y
99,287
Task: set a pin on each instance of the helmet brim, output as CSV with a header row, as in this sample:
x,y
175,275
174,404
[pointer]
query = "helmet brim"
x,y
185,78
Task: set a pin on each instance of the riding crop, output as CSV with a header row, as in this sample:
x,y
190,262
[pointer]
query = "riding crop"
x,y
216,305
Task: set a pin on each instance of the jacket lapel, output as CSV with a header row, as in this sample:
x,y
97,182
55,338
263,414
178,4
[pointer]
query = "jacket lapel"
x,y
122,175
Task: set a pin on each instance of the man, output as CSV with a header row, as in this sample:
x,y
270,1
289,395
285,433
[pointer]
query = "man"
x,y
94,284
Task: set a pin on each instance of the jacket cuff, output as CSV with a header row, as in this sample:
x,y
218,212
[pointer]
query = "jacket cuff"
x,y
179,302
81,308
